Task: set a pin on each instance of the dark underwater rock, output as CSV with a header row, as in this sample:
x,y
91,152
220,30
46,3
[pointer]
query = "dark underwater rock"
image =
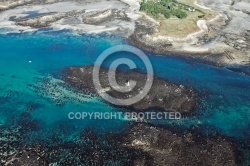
x,y
26,158
163,94
140,145
168,148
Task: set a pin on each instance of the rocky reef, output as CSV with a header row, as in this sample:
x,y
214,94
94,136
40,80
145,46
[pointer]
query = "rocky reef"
x,y
79,16
163,94
96,18
27,141
141,144
167,148
46,19
13,4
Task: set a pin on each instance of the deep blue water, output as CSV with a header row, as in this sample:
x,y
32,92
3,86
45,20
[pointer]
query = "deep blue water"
x,y
224,95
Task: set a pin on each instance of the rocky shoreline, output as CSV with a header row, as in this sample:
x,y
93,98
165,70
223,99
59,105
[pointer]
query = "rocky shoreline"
x,y
46,20
220,41
216,47
162,95
101,16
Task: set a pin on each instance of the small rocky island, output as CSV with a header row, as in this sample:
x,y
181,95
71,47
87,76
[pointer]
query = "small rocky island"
x,y
162,95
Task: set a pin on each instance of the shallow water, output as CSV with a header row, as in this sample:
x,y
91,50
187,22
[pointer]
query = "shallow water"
x,y
31,63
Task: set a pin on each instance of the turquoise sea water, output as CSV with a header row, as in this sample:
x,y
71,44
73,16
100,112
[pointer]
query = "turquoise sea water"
x,y
31,63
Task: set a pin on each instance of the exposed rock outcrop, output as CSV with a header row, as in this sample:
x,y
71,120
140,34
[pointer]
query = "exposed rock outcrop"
x,y
167,148
163,94
46,20
104,16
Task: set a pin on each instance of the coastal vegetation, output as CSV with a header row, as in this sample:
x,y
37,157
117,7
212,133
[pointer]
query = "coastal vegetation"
x,y
177,18
167,8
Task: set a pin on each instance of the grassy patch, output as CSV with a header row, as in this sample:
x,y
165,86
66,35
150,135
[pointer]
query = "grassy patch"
x,y
208,14
176,27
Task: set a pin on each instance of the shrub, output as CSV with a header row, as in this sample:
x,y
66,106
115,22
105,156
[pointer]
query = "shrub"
x,y
164,7
179,13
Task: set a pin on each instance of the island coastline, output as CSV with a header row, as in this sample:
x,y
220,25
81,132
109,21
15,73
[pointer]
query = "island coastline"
x,y
215,42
